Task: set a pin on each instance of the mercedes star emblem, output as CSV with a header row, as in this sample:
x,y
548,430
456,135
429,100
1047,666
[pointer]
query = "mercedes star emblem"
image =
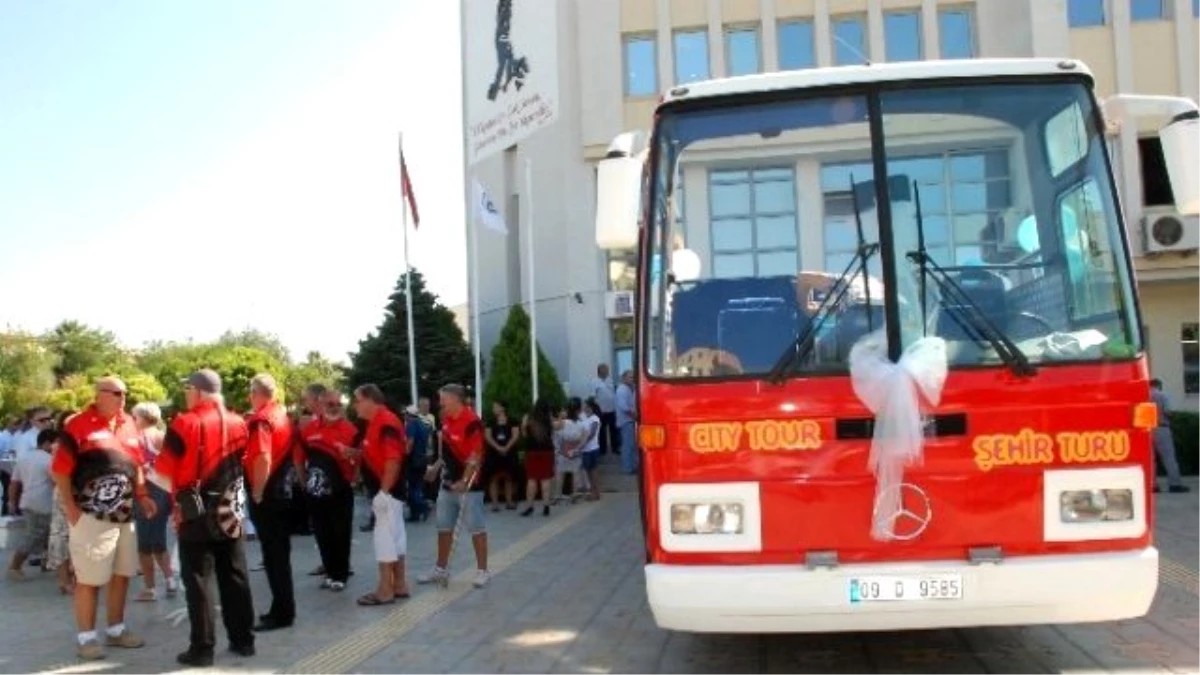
x,y
914,515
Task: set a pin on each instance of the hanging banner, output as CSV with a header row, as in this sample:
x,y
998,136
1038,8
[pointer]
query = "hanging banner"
x,y
510,62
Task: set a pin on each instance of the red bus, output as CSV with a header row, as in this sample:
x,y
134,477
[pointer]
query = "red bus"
x,y
890,366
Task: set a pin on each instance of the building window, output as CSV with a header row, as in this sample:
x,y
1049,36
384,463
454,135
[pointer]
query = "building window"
x,y
1156,183
641,66
956,33
961,195
754,230
1188,334
797,45
691,56
1085,13
849,40
622,270
902,36
1147,10
742,56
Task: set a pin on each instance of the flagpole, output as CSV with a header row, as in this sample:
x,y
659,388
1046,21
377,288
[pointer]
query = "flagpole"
x,y
533,349
471,220
473,230
408,299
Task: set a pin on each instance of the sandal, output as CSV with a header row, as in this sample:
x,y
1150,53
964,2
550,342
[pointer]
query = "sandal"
x,y
403,596
372,600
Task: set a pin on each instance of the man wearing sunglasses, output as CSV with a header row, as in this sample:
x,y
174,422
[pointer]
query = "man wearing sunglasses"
x,y
38,420
97,471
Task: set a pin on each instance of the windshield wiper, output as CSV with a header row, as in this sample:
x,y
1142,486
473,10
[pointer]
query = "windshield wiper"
x,y
965,311
800,348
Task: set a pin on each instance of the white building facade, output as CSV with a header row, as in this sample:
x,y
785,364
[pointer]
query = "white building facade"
x,y
616,56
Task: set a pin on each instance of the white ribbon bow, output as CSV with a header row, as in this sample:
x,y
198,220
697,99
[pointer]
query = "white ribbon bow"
x,y
894,393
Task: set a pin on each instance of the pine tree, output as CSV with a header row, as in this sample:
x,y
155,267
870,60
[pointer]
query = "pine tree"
x,y
443,355
509,377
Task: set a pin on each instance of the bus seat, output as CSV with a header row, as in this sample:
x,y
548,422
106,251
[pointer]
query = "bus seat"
x,y
854,322
987,290
751,320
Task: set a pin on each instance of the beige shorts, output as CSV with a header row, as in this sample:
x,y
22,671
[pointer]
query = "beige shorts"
x,y
100,549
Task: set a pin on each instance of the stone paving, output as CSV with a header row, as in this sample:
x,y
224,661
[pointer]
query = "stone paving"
x,y
568,596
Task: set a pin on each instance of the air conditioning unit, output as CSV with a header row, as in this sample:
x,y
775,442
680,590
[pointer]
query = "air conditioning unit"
x,y
1170,232
618,304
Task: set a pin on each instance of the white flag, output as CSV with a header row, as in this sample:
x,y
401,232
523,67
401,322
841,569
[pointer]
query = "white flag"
x,y
486,210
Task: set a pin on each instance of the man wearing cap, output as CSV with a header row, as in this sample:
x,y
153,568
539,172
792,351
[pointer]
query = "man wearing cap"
x,y
270,476
418,434
201,456
97,471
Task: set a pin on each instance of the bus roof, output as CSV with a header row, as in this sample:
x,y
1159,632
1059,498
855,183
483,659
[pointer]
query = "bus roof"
x,y
877,72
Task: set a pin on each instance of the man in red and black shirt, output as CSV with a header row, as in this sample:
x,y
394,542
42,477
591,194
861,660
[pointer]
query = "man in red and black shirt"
x,y
97,470
383,450
203,451
329,477
461,495
270,477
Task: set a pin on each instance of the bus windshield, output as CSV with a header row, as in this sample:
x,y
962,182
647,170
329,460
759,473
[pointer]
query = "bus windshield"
x,y
928,210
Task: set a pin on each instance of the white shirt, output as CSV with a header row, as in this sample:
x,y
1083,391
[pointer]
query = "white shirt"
x,y
626,404
5,441
23,442
37,488
602,391
591,426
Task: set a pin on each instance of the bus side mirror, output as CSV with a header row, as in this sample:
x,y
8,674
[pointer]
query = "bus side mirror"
x,y
1180,141
619,195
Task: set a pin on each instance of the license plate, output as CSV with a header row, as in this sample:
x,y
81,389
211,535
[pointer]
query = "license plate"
x,y
899,588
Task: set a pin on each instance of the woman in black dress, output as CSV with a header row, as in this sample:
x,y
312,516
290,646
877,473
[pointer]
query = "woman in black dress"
x,y
502,435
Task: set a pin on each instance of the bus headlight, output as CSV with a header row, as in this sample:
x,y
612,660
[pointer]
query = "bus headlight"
x,y
721,518
1091,506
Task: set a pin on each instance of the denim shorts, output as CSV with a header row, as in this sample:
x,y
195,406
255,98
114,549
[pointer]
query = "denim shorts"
x,y
591,460
448,508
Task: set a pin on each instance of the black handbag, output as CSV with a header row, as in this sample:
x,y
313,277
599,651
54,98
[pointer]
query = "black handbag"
x,y
190,502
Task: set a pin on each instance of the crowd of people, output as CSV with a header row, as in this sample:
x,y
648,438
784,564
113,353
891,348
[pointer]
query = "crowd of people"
x,y
102,490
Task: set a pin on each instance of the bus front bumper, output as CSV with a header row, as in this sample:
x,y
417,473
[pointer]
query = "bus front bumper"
x,y
793,599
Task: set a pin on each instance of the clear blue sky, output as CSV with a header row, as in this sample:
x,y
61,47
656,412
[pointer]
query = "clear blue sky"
x,y
175,169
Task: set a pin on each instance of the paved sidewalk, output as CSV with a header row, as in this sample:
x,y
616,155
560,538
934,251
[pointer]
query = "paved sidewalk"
x,y
578,605
569,596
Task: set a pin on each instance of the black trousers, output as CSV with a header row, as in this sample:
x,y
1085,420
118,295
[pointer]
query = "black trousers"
x,y
272,523
198,562
333,520
5,479
610,435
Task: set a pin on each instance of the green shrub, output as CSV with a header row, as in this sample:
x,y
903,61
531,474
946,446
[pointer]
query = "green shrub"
x,y
1186,430
510,377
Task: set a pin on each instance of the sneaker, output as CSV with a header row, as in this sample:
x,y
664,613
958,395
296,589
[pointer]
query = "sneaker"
x,y
327,583
90,650
481,578
337,586
1178,489
172,587
126,640
437,575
